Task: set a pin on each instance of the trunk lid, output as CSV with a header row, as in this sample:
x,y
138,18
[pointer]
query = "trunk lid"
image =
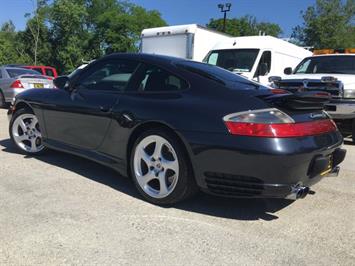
x,y
36,82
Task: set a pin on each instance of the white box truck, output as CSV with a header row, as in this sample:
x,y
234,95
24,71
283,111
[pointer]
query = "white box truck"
x,y
256,57
186,41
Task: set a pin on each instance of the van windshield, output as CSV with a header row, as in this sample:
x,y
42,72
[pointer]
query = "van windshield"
x,y
236,60
336,64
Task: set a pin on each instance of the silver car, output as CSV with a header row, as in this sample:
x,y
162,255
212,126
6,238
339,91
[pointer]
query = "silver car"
x,y
14,80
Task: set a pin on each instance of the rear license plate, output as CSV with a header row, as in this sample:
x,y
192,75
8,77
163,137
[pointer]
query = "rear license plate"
x,y
329,167
38,85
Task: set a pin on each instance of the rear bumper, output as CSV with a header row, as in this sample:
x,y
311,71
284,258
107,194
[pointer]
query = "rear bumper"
x,y
11,94
341,109
234,166
235,186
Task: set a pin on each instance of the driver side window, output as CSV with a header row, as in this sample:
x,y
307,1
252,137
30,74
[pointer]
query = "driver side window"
x,y
109,76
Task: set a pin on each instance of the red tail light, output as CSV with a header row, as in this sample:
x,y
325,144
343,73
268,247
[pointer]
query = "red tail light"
x,y
273,123
17,85
279,91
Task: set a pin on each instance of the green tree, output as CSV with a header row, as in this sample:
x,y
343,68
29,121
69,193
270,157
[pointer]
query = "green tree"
x,y
68,33
35,38
117,25
62,33
328,24
245,26
10,51
87,29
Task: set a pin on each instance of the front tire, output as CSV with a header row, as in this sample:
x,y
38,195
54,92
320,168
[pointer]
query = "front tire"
x,y
160,168
25,132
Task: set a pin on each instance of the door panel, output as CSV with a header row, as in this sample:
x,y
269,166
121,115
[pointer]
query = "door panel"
x,y
82,119
82,116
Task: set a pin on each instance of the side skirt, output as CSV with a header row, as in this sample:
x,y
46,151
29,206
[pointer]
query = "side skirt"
x,y
116,164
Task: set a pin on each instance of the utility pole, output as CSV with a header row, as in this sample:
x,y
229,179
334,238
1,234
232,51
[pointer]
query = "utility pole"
x,y
225,10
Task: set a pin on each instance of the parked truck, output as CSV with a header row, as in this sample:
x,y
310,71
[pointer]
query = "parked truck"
x,y
186,41
331,71
256,57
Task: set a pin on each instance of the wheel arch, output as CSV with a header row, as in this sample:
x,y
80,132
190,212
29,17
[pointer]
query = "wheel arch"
x,y
22,105
158,126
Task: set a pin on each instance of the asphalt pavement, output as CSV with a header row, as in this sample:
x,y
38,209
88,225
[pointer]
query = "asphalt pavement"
x,y
59,209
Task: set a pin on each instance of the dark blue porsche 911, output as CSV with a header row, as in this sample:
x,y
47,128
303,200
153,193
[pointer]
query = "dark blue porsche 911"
x,y
177,126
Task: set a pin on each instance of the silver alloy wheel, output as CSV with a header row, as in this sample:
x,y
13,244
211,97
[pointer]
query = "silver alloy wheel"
x,y
156,166
26,133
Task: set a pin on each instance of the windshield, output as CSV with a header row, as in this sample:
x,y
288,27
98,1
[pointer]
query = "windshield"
x,y
237,60
15,72
220,75
338,64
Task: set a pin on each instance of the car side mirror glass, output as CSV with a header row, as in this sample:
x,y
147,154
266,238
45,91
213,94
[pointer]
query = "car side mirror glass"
x,y
263,69
288,71
62,82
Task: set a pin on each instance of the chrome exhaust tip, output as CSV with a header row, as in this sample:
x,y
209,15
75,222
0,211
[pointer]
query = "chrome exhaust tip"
x,y
298,192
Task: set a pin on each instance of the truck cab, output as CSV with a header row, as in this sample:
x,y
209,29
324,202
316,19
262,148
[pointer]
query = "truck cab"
x,y
331,71
256,57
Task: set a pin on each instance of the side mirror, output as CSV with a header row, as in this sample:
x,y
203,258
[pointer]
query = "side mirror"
x,y
62,82
288,71
263,70
274,79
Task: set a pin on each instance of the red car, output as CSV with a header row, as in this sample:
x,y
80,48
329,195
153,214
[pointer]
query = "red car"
x,y
44,70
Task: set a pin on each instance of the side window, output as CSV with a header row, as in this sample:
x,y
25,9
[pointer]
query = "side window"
x,y
212,59
110,76
38,69
156,79
266,61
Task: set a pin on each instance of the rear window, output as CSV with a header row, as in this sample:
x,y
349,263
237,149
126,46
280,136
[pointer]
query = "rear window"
x,y
219,75
38,69
15,72
49,72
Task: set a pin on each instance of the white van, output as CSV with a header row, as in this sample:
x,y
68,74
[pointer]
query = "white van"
x,y
186,41
256,57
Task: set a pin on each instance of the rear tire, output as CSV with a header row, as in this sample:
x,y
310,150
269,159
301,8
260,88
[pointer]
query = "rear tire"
x,y
160,168
25,132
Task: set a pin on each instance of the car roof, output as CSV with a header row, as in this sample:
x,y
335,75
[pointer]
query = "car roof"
x,y
147,57
327,55
16,68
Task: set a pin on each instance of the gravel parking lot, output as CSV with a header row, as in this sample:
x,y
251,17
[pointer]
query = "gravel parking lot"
x,y
61,209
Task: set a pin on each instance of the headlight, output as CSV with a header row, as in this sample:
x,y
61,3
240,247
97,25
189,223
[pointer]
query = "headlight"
x,y
349,93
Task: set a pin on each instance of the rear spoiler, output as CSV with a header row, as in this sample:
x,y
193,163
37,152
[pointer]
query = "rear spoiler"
x,y
314,100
